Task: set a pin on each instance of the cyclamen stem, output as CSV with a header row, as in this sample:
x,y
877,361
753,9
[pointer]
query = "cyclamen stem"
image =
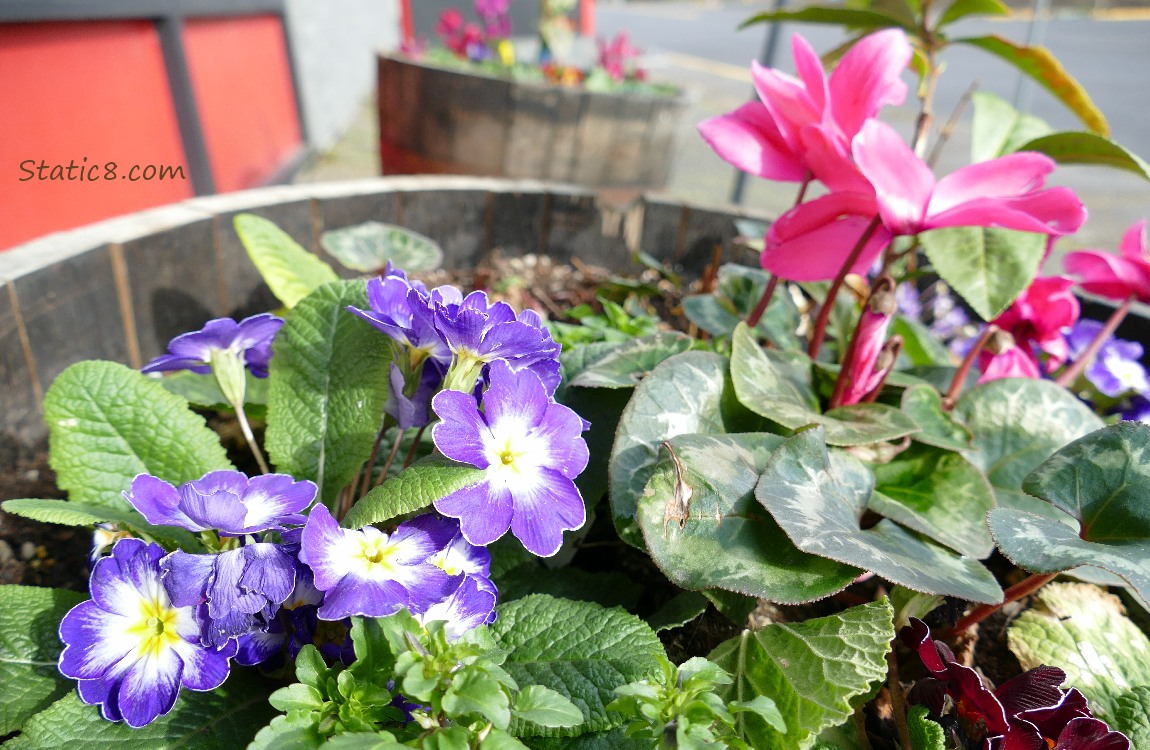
x,y
764,302
1014,593
964,369
820,328
249,437
1067,377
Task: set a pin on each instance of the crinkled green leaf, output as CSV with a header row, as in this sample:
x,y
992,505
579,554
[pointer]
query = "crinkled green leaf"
x,y
777,385
108,423
626,365
937,493
290,271
1038,63
1018,424
818,498
580,650
924,733
543,706
986,266
999,129
739,291
369,246
69,513
328,389
1088,148
1081,629
1100,483
688,393
812,670
414,488
223,719
1132,715
29,647
295,732
613,739
722,538
939,428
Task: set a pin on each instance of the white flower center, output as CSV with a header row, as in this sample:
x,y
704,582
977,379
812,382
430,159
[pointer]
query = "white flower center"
x,y
1129,373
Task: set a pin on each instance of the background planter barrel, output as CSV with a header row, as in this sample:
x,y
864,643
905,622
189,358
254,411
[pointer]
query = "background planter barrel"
x,y
435,120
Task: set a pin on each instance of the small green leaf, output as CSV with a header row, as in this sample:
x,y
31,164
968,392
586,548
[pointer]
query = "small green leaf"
x,y
545,707
812,682
919,345
999,129
369,246
683,608
373,658
908,604
415,488
765,708
923,404
819,497
473,692
626,365
1131,715
987,267
924,733
497,739
297,696
361,741
68,513
296,732
1088,148
740,289
108,423
960,9
833,15
1081,629
1044,67
290,271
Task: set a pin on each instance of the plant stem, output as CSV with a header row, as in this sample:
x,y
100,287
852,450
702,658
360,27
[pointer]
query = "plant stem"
x,y
249,437
363,485
1071,373
964,369
1014,593
897,701
948,129
414,445
820,328
764,301
390,458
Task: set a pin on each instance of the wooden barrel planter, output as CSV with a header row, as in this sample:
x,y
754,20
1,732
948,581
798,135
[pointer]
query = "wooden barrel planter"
x,y
434,120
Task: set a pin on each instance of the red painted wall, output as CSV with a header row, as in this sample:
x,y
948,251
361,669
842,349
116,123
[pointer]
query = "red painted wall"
x,y
242,81
70,91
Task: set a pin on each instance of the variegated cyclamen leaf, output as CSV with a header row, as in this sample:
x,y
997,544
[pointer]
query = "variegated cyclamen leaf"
x,y
939,428
739,290
818,497
369,246
1100,483
777,386
708,531
626,365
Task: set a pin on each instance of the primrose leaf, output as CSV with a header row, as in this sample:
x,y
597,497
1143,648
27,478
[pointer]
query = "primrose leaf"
x,y
373,658
813,671
546,707
999,129
204,390
290,271
369,246
988,267
924,733
939,428
473,692
1081,629
937,493
777,385
328,389
1132,715
414,488
578,649
627,364
1038,63
1088,148
819,497
687,393
69,513
222,719
721,538
29,647
613,739
1100,483
108,423
1017,424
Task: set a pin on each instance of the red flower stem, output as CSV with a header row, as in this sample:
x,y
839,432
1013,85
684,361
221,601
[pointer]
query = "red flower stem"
x,y
1071,373
964,369
803,188
1014,593
897,699
820,329
366,483
414,444
764,301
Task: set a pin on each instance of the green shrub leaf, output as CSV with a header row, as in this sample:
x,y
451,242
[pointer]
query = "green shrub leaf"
x,y
1088,148
1132,715
987,267
999,129
290,271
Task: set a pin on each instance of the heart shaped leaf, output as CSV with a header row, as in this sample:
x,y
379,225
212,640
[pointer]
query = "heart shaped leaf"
x,y
923,404
627,364
369,246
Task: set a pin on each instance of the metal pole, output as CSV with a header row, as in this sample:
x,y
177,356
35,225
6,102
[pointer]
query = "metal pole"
x,y
1035,34
767,58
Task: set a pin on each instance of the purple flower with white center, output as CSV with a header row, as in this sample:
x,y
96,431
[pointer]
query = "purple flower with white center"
x,y
130,646
1138,410
470,605
412,412
405,311
530,448
250,341
227,501
1117,369
370,573
457,557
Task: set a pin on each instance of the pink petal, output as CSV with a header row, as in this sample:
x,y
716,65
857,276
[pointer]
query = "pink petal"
x,y
902,181
810,69
1006,177
1053,211
1012,363
812,241
828,158
869,76
787,100
1133,244
749,139
1109,275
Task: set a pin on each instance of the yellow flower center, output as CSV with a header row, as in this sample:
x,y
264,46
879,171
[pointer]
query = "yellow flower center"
x,y
377,553
156,626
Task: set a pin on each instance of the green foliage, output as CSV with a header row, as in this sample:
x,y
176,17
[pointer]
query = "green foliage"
x,y
684,607
1132,715
835,15
204,391
1088,148
938,427
999,129
108,423
414,488
814,671
924,733
71,513
626,365
290,271
616,324
739,290
328,389
368,248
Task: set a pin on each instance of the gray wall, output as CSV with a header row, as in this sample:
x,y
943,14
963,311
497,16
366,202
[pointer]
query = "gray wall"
x,y
334,44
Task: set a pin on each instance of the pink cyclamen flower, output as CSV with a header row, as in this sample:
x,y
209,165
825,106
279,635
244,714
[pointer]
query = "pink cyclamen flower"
x,y
771,138
1115,276
811,242
1004,358
1039,316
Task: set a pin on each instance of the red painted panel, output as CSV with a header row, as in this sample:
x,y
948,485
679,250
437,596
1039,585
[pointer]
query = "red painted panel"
x,y
242,81
84,94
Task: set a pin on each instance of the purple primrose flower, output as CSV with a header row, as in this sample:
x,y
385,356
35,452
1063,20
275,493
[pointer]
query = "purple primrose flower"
x,y
130,646
471,600
249,340
531,449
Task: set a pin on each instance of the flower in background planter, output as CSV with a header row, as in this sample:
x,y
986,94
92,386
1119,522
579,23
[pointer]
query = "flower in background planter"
x,y
1038,317
1115,276
619,57
530,448
130,647
370,573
